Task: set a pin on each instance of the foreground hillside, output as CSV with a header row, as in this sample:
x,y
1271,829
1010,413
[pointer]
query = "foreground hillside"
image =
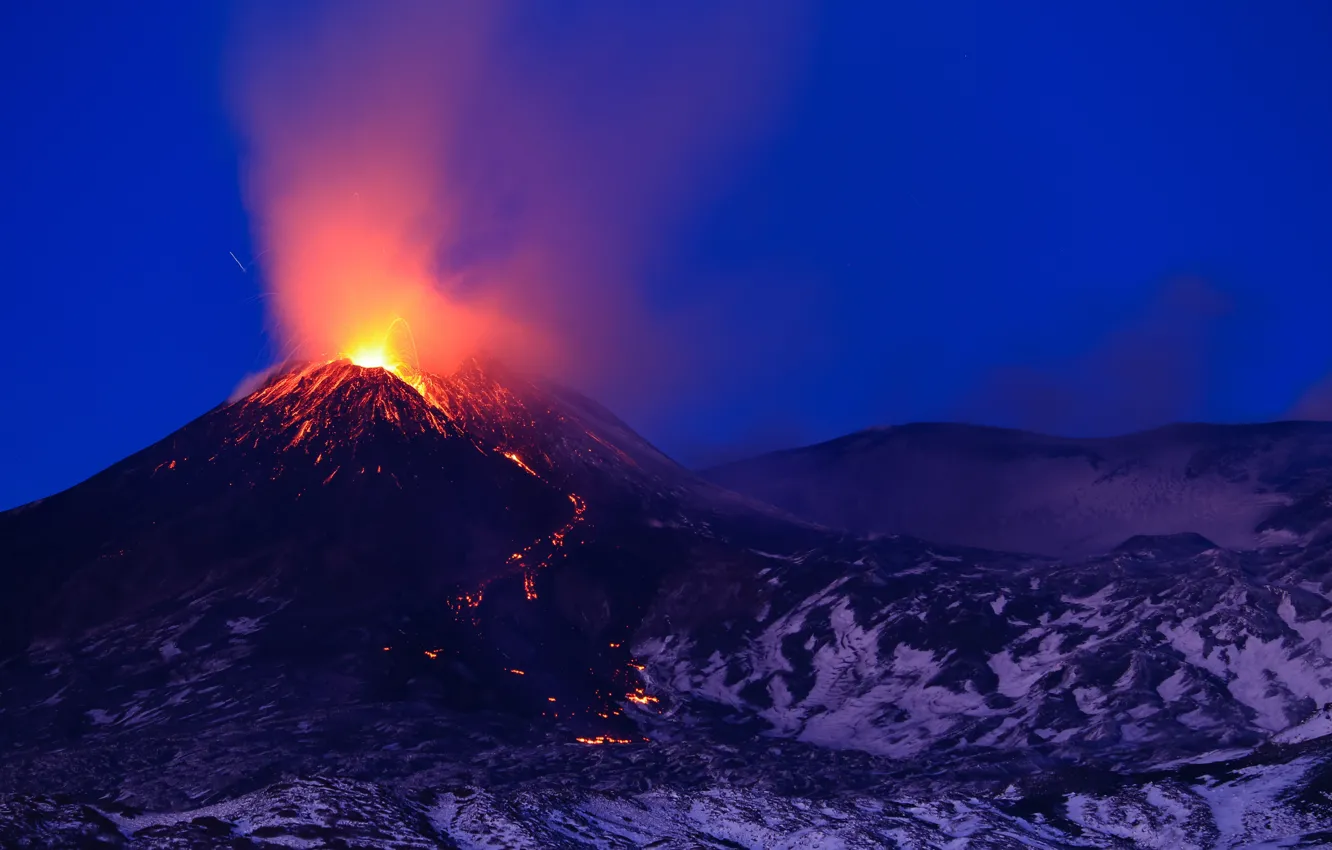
x,y
478,611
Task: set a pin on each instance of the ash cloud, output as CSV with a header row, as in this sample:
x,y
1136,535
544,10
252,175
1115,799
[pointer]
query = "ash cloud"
x,y
501,175
1148,372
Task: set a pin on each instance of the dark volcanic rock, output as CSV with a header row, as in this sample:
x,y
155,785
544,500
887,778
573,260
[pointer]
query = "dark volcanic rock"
x,y
480,611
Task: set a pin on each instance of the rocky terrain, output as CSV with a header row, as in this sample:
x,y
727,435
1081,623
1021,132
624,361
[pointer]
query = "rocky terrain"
x,y
478,611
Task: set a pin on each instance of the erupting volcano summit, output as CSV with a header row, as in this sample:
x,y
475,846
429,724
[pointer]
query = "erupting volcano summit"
x,y
408,521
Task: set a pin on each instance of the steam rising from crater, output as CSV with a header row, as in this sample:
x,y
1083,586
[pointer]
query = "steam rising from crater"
x,y
497,175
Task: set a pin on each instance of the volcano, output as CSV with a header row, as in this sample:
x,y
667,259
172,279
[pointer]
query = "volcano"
x,y
394,537
355,608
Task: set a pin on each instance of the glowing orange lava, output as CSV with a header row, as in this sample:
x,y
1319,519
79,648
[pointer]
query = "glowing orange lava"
x,y
315,409
373,358
393,351
641,698
513,457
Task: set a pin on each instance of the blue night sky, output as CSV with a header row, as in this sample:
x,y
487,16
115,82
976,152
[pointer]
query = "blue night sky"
x,y
1076,217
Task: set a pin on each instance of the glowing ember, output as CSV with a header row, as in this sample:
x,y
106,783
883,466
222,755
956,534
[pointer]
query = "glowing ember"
x,y
641,698
603,739
465,601
513,457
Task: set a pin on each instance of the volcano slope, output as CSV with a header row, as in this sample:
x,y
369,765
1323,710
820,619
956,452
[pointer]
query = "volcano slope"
x,y
478,610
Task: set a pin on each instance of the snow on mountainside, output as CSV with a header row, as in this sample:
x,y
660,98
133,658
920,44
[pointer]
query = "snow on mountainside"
x,y
1017,491
1168,647
481,612
1244,802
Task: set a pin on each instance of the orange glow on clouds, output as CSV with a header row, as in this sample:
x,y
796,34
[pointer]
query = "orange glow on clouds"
x,y
373,358
350,123
388,352
494,187
347,281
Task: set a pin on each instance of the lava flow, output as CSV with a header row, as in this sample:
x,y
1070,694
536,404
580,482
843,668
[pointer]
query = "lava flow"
x,y
324,409
371,417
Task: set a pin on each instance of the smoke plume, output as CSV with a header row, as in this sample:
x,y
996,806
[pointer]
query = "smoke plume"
x,y
499,175
1150,371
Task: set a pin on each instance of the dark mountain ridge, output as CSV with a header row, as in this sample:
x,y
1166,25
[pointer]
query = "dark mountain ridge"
x,y
1019,491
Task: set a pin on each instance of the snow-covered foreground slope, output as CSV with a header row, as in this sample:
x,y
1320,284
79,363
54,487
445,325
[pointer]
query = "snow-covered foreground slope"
x,y
1168,647
1317,725
1279,801
857,693
1016,491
